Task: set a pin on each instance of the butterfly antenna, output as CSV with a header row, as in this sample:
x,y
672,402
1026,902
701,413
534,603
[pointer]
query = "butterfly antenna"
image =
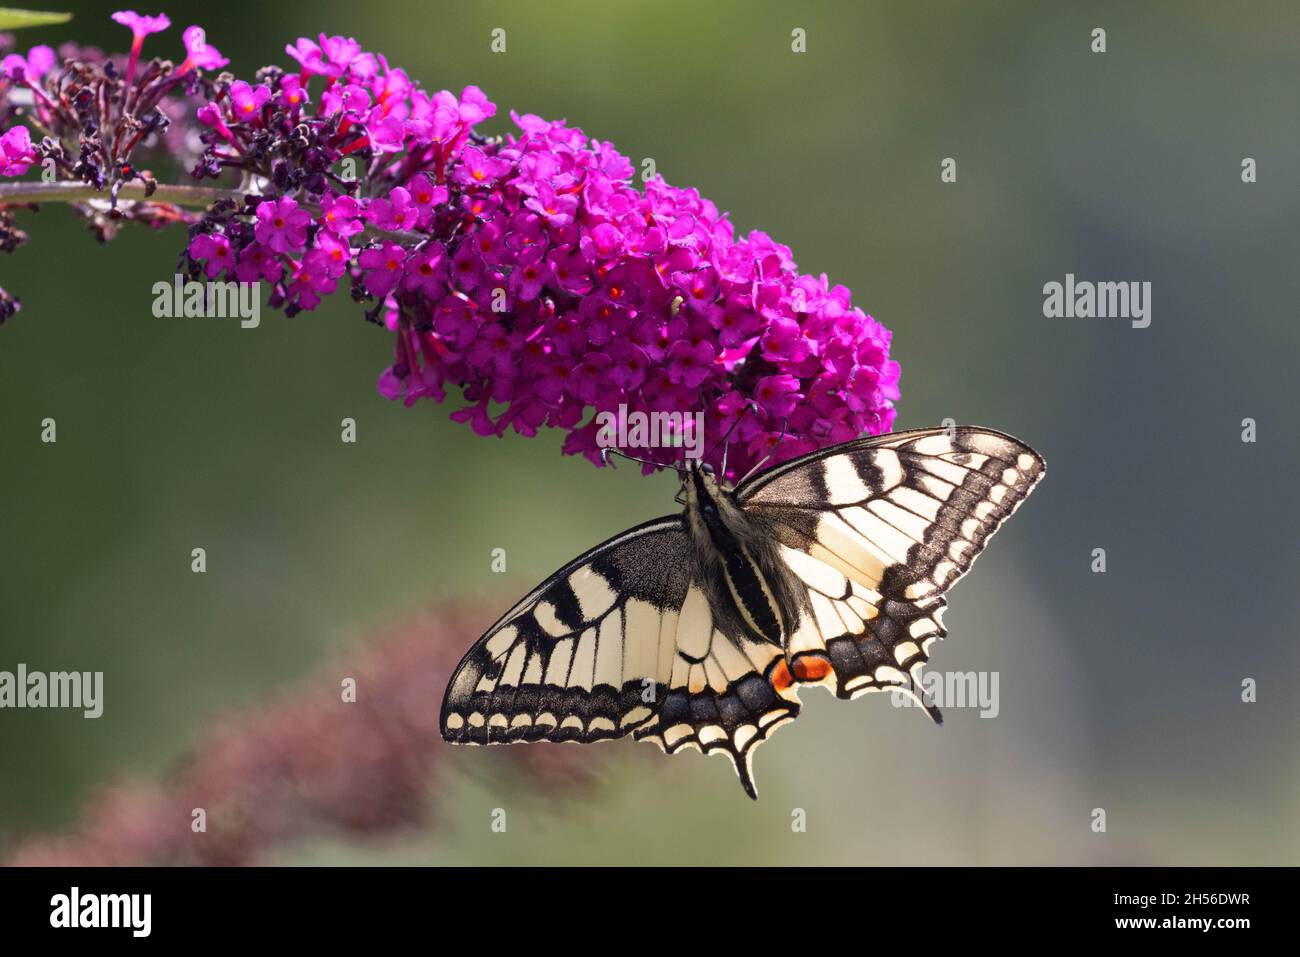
x,y
725,441
763,461
605,453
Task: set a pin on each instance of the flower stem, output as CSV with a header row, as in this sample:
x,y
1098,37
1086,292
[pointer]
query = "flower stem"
x,y
176,195
41,192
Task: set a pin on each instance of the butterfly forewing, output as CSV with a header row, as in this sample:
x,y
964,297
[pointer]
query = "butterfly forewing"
x,y
620,641
877,530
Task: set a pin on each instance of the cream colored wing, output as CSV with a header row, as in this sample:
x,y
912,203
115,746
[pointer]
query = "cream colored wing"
x,y
620,641
877,530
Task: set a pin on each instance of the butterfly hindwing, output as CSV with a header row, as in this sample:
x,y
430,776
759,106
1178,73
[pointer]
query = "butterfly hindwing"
x,y
877,530
871,643
620,641
724,703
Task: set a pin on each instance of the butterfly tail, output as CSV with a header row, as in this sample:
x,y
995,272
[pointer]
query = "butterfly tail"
x,y
745,771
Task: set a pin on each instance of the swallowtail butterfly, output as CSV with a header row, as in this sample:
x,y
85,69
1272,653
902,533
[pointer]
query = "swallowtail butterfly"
x,y
698,630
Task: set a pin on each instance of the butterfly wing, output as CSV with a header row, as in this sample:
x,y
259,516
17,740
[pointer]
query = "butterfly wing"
x,y
620,641
877,530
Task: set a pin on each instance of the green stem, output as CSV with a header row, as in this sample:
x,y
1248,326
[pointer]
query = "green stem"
x,y
41,192
198,196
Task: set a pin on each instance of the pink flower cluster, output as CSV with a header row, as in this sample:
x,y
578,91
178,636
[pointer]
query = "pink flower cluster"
x,y
567,290
531,271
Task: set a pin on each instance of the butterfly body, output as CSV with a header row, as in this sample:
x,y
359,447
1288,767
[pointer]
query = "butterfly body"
x,y
698,630
751,591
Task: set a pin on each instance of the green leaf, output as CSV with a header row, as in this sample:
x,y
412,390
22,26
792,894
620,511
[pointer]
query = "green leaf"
x,y
11,19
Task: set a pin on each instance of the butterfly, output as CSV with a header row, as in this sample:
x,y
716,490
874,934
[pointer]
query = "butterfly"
x,y
699,630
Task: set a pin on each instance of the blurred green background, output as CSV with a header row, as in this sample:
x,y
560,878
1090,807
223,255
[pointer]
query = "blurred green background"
x,y
1119,691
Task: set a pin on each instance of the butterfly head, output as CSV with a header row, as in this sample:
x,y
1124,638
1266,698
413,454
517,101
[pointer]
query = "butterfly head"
x,y
703,479
709,500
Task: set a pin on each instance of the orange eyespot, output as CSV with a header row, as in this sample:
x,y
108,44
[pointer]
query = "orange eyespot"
x,y
781,679
811,667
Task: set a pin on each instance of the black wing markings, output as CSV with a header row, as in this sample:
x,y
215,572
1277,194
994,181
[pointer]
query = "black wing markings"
x,y
921,506
719,702
880,531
